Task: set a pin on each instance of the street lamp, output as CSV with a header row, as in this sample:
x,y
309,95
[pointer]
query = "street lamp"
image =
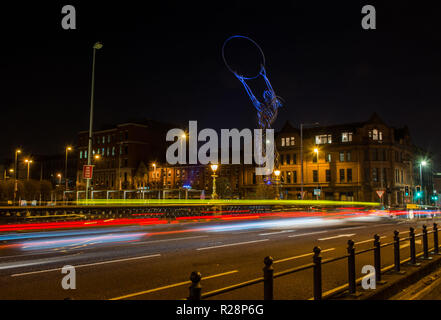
x,y
96,46
59,178
65,167
17,151
28,162
422,164
214,176
277,174
316,151
301,152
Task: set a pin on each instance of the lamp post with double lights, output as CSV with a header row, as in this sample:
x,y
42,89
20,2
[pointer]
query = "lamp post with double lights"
x,y
96,46
28,163
214,176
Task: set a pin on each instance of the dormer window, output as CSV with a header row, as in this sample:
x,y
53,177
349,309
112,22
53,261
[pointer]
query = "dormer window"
x,y
376,135
288,141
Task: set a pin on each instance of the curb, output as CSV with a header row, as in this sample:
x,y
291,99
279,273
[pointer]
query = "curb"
x,y
395,283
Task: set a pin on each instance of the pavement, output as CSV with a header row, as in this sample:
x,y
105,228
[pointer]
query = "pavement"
x,y
150,262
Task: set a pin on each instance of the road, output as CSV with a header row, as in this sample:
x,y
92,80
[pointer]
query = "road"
x,y
155,261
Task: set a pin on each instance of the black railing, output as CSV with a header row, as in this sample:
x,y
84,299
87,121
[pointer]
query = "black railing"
x,y
269,275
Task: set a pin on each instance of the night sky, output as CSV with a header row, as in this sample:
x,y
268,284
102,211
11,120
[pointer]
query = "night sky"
x,y
164,62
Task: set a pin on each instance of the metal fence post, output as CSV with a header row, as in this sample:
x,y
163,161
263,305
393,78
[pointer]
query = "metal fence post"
x,y
412,246
317,260
195,287
425,243
377,258
268,279
435,239
351,267
396,251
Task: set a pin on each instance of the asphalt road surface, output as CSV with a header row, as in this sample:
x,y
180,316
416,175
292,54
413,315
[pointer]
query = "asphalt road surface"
x,y
155,261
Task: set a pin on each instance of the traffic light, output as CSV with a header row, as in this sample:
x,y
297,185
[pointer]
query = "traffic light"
x,y
418,192
406,191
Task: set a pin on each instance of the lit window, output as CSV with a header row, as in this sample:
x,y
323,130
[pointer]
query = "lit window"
x,y
328,157
346,137
104,139
81,154
342,156
293,141
375,134
283,142
323,139
113,151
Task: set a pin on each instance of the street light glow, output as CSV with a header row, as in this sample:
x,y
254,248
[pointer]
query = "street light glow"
x,y
214,167
277,173
423,163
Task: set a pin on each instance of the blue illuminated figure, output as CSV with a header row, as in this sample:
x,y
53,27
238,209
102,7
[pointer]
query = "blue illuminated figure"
x,y
267,110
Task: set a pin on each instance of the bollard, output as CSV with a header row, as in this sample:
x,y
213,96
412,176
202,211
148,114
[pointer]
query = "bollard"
x,y
412,246
425,243
435,239
396,251
268,279
195,287
317,260
377,258
351,267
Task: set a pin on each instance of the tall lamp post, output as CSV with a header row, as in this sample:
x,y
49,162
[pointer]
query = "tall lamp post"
x,y
65,172
301,153
96,46
65,167
422,164
214,176
17,151
316,151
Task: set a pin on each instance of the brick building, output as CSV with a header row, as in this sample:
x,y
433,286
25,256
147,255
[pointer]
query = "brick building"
x,y
348,162
125,151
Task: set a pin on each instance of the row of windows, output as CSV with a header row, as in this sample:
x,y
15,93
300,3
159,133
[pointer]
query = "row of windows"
x,y
344,176
374,135
380,175
105,151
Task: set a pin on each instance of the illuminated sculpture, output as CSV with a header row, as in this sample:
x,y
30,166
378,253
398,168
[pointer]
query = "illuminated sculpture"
x,y
267,110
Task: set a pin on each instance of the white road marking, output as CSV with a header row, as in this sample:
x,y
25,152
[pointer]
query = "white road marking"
x,y
278,232
351,228
302,256
231,244
339,236
164,240
86,265
306,234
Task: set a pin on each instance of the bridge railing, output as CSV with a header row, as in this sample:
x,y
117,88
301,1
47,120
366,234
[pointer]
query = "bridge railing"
x,y
195,289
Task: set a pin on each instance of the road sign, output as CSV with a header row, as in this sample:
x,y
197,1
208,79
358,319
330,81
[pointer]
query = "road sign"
x,y
87,171
380,193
